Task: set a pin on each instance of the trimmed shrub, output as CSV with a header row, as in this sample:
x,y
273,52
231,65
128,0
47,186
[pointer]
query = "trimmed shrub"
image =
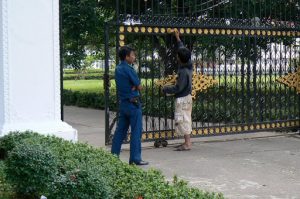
x,y
31,169
10,141
83,172
84,184
5,188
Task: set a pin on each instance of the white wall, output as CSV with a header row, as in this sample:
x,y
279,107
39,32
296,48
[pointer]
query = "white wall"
x,y
31,67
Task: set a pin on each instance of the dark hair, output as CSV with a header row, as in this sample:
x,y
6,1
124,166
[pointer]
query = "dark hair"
x,y
184,55
125,51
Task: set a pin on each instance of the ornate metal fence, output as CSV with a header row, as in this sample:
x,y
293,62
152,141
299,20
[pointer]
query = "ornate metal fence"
x,y
245,54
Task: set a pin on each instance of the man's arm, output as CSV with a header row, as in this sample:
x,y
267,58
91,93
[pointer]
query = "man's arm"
x,y
179,42
135,80
178,87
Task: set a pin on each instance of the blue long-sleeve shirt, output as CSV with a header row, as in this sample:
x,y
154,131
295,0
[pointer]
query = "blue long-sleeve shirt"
x,y
126,78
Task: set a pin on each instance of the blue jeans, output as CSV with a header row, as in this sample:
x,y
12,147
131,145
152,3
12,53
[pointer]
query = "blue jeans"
x,y
129,114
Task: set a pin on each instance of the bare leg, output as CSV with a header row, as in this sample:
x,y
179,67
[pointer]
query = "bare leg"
x,y
187,143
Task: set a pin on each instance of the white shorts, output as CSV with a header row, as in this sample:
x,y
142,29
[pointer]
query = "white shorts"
x,y
183,115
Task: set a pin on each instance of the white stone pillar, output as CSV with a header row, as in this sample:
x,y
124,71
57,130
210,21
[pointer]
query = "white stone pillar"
x,y
30,68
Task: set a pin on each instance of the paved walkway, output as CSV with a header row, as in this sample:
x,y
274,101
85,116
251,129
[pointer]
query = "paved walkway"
x,y
257,165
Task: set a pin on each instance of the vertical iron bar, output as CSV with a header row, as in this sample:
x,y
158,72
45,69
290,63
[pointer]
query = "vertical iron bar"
x,y
106,83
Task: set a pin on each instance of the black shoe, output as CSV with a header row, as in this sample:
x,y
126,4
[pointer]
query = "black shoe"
x,y
140,163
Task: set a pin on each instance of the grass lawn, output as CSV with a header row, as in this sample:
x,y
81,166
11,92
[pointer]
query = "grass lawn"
x,y
84,85
93,86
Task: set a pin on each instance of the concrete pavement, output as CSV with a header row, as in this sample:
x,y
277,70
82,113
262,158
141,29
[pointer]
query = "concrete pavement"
x,y
257,165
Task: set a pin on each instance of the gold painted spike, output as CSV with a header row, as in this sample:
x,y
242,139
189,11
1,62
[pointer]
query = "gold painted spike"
x,y
181,30
162,30
122,29
136,29
129,29
156,30
217,31
200,31
149,29
170,30
258,32
121,37
205,31
278,33
143,29
122,43
240,32
194,31
187,30
211,31
223,130
228,129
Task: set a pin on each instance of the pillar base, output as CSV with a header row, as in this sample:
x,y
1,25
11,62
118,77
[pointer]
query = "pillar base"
x,y
58,128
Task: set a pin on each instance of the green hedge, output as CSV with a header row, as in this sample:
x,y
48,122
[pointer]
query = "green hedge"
x,y
90,70
81,171
88,75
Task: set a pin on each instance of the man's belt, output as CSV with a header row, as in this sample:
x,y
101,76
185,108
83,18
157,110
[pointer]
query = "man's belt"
x,y
135,100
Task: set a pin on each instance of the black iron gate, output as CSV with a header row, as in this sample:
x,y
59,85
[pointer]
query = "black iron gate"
x,y
246,57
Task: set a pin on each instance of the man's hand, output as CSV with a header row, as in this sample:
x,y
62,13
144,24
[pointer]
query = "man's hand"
x,y
176,32
139,87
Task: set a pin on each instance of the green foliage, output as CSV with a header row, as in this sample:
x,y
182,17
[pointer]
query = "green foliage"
x,y
85,172
5,188
30,169
84,99
80,183
93,74
10,141
82,29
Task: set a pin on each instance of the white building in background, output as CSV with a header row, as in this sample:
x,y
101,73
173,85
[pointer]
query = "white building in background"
x,y
278,59
30,68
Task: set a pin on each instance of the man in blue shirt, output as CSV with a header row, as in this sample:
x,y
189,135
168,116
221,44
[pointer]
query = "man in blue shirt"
x,y
130,111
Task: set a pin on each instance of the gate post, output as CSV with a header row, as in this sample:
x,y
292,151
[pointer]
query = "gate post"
x,y
30,69
106,85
